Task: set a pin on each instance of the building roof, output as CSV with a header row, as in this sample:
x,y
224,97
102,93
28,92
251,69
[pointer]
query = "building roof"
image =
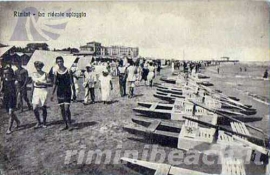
x,y
85,46
93,42
37,44
62,51
85,52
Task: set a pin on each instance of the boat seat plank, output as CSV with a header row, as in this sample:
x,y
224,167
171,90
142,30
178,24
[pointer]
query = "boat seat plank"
x,y
153,106
245,129
163,169
167,134
153,126
206,134
232,166
224,138
191,123
240,128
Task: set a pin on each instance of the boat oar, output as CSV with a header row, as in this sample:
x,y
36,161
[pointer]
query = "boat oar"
x,y
228,117
222,96
218,127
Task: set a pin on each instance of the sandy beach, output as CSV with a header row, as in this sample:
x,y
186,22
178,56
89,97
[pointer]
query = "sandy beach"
x,y
43,151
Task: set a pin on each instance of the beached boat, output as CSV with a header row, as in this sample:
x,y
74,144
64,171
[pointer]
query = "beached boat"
x,y
169,97
229,166
178,90
173,81
151,168
223,97
220,106
202,136
170,90
168,111
172,112
155,130
170,80
171,94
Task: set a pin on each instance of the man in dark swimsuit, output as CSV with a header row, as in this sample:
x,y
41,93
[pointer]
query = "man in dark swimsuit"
x,y
9,90
63,81
21,76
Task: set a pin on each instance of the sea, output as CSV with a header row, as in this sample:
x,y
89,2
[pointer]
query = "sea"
x,y
245,81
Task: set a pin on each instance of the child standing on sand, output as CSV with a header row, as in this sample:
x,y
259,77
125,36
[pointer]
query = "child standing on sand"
x,y
90,79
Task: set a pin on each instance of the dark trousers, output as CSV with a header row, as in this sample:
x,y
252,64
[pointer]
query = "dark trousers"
x,y
92,93
23,96
122,84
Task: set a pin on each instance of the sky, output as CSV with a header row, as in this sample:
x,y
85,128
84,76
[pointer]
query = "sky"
x,y
191,30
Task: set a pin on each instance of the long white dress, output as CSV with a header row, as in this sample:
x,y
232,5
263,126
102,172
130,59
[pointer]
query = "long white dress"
x,y
105,87
151,73
172,67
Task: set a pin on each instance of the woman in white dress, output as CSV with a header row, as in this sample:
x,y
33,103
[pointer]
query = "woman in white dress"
x,y
172,66
105,86
151,74
40,92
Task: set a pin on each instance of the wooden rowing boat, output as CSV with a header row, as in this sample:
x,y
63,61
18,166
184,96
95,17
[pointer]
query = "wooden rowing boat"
x,y
178,110
169,111
178,90
170,90
151,168
229,166
169,97
202,136
168,80
199,93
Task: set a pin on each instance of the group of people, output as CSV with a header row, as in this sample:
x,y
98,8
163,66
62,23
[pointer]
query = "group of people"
x,y
14,83
65,84
129,73
188,66
91,81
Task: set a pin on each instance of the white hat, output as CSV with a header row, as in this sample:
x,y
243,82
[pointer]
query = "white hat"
x,y
88,65
105,71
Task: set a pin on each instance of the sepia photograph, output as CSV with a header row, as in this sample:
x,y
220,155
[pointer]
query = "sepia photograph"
x,y
132,87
